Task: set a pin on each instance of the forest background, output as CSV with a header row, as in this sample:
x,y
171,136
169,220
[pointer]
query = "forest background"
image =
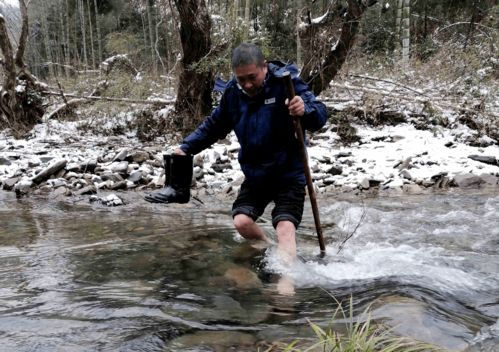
x,y
177,48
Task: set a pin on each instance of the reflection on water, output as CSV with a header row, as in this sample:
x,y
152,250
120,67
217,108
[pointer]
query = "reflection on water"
x,y
77,277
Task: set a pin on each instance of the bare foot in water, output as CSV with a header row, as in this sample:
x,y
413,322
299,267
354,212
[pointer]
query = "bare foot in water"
x,y
285,286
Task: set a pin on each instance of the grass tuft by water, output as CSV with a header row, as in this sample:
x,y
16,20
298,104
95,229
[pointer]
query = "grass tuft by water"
x,y
359,335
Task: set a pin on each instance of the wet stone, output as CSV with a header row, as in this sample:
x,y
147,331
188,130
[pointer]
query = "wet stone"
x,y
70,175
412,189
61,191
86,190
112,200
49,171
490,179
89,166
468,180
4,161
139,156
33,163
95,178
118,185
406,174
243,278
198,173
135,176
121,155
73,167
443,182
364,184
9,183
57,182
111,176
335,170
120,167
491,160
46,159
214,341
221,167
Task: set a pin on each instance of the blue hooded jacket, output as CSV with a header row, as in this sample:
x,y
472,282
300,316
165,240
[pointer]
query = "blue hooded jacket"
x,y
269,151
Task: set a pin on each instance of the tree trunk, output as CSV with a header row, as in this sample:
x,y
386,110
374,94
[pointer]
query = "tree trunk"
x,y
156,44
67,49
76,51
471,26
83,33
46,43
236,11
91,31
20,109
194,89
64,38
97,27
299,59
319,69
398,29
151,27
406,31
247,7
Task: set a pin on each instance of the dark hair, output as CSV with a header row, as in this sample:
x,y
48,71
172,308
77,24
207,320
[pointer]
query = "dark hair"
x,y
247,54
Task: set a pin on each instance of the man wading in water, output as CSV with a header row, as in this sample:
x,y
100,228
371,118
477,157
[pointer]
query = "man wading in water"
x,y
255,106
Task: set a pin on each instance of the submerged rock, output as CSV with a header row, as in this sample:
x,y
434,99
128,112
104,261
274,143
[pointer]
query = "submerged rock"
x,y
243,278
215,341
468,180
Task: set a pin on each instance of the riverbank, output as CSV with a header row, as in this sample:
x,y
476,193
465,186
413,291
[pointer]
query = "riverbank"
x,y
59,159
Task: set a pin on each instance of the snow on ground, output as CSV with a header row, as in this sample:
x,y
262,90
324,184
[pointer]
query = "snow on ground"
x,y
382,149
391,156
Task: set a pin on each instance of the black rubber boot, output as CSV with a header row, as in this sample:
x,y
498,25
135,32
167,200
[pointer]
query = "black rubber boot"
x,y
178,178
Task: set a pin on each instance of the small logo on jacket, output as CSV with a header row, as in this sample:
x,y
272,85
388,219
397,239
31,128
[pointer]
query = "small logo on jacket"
x,y
269,101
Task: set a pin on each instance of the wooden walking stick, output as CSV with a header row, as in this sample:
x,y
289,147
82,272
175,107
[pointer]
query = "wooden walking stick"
x,y
308,175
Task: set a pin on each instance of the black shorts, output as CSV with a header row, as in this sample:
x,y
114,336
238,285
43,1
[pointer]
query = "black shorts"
x,y
288,199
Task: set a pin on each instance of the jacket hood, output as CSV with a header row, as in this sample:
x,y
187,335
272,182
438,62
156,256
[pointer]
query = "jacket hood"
x,y
277,68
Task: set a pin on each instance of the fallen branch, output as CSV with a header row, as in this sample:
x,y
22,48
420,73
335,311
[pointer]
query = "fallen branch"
x,y
352,233
438,104
390,82
124,100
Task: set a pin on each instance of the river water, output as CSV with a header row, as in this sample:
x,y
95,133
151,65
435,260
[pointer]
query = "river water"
x,y
77,276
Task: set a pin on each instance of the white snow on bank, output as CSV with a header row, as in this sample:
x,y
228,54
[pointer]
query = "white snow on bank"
x,y
427,150
14,3
376,157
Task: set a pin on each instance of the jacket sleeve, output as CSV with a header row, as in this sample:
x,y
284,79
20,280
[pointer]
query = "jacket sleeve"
x,y
315,112
214,127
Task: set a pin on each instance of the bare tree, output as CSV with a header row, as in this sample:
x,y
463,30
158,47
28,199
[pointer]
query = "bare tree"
x,y
81,9
247,7
406,34
323,58
21,107
91,32
299,49
150,16
398,27
46,41
195,83
97,27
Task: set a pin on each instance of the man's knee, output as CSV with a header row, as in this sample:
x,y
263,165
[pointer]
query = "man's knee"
x,y
243,223
285,230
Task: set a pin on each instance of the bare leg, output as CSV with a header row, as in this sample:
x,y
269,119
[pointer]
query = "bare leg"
x,y
247,228
286,248
286,241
